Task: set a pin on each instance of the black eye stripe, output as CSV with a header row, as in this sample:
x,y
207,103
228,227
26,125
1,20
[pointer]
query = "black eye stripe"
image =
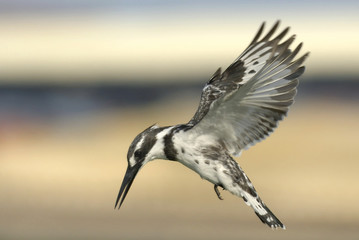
x,y
147,139
139,154
132,148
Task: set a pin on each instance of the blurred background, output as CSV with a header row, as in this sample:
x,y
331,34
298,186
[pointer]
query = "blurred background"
x,y
80,79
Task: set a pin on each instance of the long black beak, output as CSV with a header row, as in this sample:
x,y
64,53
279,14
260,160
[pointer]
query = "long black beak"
x,y
130,175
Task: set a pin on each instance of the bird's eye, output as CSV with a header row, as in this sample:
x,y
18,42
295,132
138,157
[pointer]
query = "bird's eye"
x,y
138,153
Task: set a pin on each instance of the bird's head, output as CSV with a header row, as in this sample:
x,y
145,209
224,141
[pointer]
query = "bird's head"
x,y
140,152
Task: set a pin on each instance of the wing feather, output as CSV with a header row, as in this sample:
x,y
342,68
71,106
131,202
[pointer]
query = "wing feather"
x,y
243,105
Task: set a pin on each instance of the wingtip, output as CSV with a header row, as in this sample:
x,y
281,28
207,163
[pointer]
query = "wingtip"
x,y
259,33
262,25
271,31
304,57
277,23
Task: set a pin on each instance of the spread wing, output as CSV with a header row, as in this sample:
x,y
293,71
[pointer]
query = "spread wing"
x,y
243,105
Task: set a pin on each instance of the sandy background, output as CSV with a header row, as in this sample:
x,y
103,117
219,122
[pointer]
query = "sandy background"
x,y
60,180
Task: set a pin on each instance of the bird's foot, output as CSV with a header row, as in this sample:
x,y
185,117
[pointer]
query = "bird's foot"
x,y
217,191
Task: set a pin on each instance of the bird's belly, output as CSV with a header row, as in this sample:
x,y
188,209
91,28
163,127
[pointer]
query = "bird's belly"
x,y
195,152
207,169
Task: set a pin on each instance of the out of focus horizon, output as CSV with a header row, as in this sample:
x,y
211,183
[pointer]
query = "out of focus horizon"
x,y
67,42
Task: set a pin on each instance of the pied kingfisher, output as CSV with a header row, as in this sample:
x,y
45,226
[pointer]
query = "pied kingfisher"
x,y
238,108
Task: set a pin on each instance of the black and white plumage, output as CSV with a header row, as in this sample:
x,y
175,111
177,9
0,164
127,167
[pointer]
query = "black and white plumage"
x,y
238,108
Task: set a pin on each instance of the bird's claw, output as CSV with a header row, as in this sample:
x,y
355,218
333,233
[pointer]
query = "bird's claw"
x,y
217,191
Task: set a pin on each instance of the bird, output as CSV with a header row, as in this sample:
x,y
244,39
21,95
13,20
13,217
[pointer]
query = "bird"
x,y
238,108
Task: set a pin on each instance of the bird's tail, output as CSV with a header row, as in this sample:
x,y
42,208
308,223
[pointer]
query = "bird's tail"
x,y
262,211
